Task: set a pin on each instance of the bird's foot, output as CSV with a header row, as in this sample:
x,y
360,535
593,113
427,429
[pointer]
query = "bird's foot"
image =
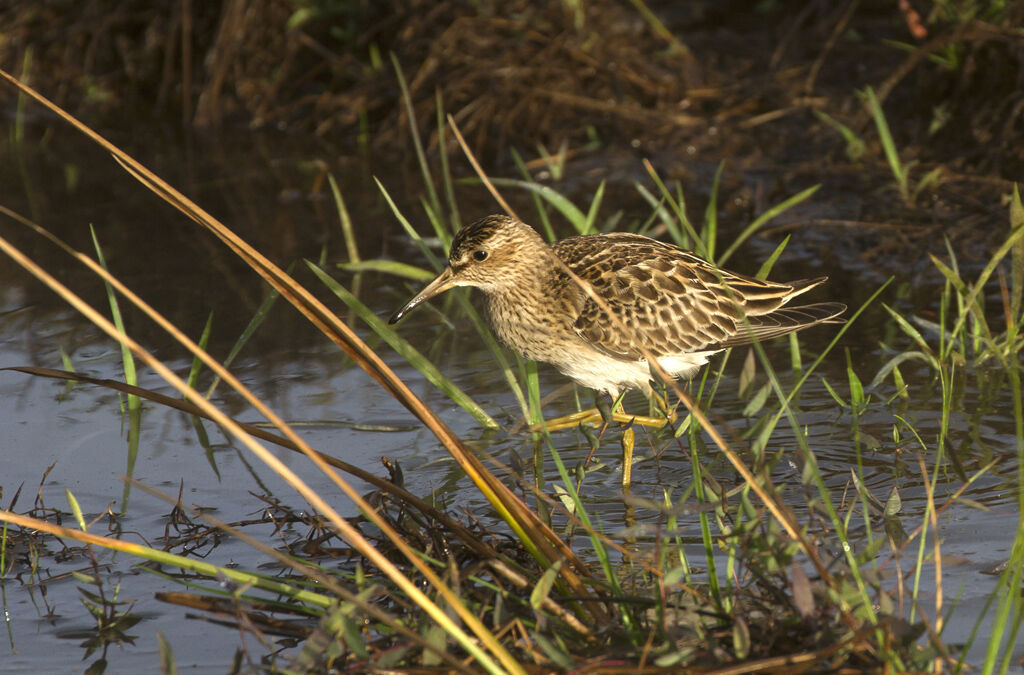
x,y
594,417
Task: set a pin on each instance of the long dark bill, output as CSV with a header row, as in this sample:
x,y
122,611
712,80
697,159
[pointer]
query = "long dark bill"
x,y
442,283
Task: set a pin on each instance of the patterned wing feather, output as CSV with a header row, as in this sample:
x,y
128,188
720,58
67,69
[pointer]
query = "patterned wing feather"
x,y
785,320
673,301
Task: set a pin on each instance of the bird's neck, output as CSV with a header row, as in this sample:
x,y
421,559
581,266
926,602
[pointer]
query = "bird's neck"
x,y
533,281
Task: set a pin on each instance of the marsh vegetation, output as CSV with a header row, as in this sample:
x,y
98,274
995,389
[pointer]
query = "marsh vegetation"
x,y
848,499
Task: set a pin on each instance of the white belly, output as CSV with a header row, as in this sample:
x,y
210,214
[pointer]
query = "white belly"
x,y
611,375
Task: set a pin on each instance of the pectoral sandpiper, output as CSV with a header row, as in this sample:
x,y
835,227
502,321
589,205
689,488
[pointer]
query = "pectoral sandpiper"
x,y
671,305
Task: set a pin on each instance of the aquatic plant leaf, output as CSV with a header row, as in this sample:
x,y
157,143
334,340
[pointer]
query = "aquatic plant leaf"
x,y
354,639
747,374
434,636
740,638
543,588
565,498
866,493
869,441
758,400
76,509
832,392
803,595
554,652
892,364
857,400
893,504
167,663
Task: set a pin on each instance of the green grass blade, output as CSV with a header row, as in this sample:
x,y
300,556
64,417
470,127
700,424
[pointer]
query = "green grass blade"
x,y
892,364
764,218
982,334
659,212
560,202
658,28
1017,270
436,219
595,206
345,220
407,351
197,363
899,171
855,146
130,376
250,329
766,266
435,262
454,221
417,143
710,230
538,204
835,396
990,268
931,179
912,332
392,267
679,208
528,369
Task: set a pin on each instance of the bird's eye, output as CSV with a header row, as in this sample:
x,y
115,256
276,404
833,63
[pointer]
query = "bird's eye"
x,y
479,256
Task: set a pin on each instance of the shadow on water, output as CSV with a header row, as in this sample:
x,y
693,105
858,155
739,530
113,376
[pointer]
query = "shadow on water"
x,y
273,195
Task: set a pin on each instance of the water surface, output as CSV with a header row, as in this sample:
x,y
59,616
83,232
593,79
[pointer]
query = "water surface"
x,y
271,192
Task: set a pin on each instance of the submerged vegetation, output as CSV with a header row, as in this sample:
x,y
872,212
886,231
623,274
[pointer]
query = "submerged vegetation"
x,y
761,556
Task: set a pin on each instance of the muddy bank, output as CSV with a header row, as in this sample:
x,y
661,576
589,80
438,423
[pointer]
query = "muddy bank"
x,y
767,87
518,73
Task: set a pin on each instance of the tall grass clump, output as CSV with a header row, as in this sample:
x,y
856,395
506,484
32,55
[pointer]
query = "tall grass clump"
x,y
963,341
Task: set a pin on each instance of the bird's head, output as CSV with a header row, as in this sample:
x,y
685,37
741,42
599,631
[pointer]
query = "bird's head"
x,y
492,254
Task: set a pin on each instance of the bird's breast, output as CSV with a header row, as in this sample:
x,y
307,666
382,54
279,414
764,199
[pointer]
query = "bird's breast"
x,y
535,328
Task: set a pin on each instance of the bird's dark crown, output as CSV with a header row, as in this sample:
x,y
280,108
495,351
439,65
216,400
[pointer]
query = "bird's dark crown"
x,y
491,232
473,235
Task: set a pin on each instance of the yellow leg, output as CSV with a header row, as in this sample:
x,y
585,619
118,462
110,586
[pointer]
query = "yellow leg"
x,y
593,416
628,441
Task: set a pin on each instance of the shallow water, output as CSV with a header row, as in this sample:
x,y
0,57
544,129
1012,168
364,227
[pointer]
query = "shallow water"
x,y
262,188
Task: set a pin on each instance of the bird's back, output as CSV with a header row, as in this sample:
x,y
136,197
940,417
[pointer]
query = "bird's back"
x,y
672,302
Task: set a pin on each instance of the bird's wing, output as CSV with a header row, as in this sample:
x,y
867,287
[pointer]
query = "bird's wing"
x,y
673,302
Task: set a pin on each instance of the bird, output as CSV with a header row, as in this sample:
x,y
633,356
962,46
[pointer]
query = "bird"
x,y
670,304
